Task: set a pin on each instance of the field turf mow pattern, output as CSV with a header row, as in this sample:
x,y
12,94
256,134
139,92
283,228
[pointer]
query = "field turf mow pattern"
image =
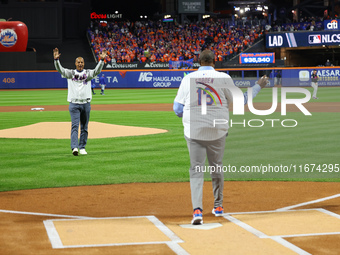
x,y
41,163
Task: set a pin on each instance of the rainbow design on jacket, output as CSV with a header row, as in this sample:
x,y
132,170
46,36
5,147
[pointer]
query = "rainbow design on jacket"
x,y
209,93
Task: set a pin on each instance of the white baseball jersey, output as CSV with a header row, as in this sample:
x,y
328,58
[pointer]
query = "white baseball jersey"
x,y
79,83
206,94
196,125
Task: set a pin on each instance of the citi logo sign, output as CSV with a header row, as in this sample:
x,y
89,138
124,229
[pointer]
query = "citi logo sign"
x,y
333,24
205,97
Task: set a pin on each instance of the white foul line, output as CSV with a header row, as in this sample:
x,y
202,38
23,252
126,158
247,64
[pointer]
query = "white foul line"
x,y
45,214
245,226
289,245
260,234
166,231
308,203
53,235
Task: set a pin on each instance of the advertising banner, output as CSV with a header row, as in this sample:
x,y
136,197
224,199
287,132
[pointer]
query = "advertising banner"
x,y
257,58
157,65
182,64
191,6
301,77
297,77
331,24
303,39
114,79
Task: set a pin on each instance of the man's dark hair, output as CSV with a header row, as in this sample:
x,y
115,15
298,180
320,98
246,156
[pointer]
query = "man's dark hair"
x,y
207,56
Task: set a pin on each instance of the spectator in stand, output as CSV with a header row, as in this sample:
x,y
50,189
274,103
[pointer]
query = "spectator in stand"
x,y
127,41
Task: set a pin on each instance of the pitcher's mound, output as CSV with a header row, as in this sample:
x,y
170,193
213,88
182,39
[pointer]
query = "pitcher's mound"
x,y
62,130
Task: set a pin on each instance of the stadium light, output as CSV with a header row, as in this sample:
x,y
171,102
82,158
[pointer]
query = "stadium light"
x,y
116,12
265,7
241,11
247,9
237,8
259,8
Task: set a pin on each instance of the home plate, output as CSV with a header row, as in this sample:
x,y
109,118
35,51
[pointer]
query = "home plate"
x,y
204,226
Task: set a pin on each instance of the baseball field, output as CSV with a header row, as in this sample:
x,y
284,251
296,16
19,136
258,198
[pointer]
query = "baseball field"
x,y
131,195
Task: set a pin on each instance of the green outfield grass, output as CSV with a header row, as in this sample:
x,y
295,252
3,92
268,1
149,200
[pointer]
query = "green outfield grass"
x,y
39,163
112,96
136,96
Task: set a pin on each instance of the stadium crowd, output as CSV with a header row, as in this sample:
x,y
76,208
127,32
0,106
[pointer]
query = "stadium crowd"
x,y
311,24
156,41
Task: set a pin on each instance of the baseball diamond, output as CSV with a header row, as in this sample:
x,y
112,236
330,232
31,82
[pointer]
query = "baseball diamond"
x,y
84,210
187,127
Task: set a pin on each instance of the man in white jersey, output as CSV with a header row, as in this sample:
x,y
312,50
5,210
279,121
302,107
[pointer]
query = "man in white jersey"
x,y
202,98
79,96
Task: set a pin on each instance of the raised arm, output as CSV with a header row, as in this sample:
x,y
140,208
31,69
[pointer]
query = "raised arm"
x,y
99,67
66,73
260,84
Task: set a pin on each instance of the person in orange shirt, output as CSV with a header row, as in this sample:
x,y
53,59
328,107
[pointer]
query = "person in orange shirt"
x,y
143,59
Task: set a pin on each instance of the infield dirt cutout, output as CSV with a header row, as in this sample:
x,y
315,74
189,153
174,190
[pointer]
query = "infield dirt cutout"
x,y
61,130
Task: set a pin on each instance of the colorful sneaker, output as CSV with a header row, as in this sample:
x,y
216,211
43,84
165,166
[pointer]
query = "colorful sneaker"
x,y
218,211
197,218
75,151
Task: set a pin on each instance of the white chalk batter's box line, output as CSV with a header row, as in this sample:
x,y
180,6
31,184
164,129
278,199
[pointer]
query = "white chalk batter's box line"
x,y
280,238
259,234
173,244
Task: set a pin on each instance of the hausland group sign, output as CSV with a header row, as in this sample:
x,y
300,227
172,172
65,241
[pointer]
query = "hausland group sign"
x,y
303,39
94,15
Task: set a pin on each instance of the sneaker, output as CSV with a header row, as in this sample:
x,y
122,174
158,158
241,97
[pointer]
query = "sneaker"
x,y
82,152
197,217
218,211
75,151
315,98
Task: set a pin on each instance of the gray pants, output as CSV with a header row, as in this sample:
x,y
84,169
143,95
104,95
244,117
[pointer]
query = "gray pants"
x,y
79,113
198,151
315,88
